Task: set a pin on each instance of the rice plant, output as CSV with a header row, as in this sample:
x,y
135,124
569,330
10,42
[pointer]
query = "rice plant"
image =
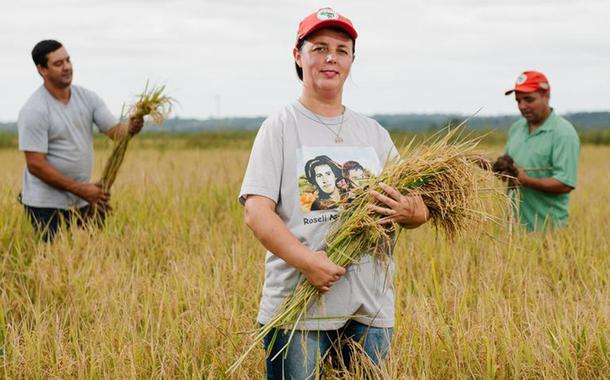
x,y
170,287
152,103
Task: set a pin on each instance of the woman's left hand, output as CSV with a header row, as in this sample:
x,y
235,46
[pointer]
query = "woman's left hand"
x,y
408,211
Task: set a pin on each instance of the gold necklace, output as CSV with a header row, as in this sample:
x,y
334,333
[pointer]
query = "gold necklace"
x,y
338,138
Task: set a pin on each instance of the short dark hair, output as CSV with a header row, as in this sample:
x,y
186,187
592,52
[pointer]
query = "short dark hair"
x,y
302,41
311,165
42,50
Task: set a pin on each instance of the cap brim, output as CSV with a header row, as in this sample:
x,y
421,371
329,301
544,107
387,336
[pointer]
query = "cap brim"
x,y
522,89
337,23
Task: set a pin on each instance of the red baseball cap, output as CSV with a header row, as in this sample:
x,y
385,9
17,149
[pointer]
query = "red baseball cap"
x,y
530,81
324,17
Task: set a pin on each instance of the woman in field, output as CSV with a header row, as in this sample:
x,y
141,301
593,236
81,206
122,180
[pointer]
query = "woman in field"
x,y
358,302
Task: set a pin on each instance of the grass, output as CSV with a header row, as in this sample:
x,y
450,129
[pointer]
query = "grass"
x,y
170,288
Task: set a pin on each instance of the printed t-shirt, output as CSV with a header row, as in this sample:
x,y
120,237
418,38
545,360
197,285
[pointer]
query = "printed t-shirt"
x,y
296,162
64,132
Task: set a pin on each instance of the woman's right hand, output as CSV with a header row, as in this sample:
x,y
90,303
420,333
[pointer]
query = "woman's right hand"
x,y
321,272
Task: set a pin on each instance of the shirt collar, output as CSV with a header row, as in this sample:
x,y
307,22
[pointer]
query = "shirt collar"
x,y
548,123
546,126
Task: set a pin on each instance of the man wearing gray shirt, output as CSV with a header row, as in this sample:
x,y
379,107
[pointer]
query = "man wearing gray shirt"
x,y
56,134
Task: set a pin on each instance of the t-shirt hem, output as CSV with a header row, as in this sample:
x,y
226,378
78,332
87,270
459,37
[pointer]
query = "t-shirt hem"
x,y
376,322
46,204
333,324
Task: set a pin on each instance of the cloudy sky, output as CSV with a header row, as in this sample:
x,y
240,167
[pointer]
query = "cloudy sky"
x,y
225,58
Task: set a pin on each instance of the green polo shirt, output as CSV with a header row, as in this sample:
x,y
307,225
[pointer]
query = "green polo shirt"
x,y
554,145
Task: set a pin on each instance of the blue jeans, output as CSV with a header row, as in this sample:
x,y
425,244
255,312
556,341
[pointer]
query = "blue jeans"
x,y
47,221
302,359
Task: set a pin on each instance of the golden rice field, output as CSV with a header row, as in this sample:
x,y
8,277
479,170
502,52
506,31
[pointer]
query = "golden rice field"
x,y
170,288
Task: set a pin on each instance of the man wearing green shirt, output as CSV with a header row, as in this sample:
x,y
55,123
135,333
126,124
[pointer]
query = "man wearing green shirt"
x,y
545,148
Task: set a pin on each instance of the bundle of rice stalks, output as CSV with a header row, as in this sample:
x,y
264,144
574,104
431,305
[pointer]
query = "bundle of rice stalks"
x,y
445,171
152,103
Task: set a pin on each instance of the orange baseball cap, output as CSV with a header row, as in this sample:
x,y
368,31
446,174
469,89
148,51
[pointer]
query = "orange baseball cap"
x,y
323,18
530,81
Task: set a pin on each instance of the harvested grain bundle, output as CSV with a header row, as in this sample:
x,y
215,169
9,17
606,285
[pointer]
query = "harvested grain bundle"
x,y
152,103
445,171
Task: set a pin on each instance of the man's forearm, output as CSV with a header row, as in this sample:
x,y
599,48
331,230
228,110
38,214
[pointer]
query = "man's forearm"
x,y
118,131
47,173
547,185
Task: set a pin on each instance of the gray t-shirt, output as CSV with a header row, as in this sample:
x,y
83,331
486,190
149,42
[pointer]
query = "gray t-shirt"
x,y
64,132
296,162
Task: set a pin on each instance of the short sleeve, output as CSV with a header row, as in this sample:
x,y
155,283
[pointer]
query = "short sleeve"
x,y
388,151
264,171
102,117
33,129
566,149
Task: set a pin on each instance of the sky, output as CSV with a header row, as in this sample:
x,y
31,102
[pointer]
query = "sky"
x,y
225,58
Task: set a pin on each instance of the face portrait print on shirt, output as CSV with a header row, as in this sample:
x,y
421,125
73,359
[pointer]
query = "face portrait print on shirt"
x,y
328,175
